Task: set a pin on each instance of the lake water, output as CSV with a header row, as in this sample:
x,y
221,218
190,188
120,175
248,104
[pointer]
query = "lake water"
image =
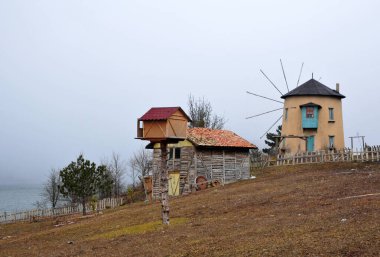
x,y
19,197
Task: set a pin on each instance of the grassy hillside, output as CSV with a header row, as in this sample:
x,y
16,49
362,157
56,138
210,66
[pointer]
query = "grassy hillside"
x,y
288,211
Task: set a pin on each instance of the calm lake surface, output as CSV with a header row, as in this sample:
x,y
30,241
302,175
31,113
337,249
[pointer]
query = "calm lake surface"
x,y
19,197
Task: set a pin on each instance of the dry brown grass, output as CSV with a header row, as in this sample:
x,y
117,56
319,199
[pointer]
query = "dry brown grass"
x,y
288,211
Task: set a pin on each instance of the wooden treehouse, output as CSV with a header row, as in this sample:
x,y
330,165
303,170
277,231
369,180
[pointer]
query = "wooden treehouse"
x,y
163,124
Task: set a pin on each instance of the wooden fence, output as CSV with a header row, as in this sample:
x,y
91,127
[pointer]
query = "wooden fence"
x,y
7,217
370,154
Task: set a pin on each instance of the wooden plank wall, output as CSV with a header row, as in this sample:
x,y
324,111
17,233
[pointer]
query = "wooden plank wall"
x,y
184,167
156,173
230,165
225,166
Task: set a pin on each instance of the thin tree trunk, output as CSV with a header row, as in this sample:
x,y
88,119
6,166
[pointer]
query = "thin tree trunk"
x,y
142,181
164,184
84,205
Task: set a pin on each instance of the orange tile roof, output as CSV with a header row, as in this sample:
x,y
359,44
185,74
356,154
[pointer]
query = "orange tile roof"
x,y
216,138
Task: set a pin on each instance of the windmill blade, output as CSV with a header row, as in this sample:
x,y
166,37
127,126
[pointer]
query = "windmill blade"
x,y
264,113
283,72
299,76
271,82
264,97
271,127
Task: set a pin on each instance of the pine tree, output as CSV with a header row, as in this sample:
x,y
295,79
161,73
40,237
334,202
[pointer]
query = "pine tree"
x,y
271,141
82,179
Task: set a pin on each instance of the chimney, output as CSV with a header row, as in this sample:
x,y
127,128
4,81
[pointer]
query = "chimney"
x,y
337,87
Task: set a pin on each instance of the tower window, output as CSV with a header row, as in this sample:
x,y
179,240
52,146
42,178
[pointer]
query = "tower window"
x,y
286,113
310,112
331,113
331,141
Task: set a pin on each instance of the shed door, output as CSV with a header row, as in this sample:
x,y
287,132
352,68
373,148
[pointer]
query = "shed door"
x,y
174,183
310,143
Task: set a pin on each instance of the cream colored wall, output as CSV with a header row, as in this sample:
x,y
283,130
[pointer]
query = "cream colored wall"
x,y
180,144
293,124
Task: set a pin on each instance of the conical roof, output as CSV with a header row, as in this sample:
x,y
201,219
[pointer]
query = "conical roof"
x,y
313,88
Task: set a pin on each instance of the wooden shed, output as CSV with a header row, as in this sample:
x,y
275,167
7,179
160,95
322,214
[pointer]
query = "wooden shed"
x,y
214,154
163,123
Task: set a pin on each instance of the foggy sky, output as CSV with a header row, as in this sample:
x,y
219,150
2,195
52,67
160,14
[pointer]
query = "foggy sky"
x,y
75,75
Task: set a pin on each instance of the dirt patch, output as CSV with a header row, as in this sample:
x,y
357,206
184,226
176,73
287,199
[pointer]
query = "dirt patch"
x,y
305,210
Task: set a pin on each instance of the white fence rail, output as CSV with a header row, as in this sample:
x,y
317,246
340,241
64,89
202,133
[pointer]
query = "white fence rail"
x,y
32,215
370,154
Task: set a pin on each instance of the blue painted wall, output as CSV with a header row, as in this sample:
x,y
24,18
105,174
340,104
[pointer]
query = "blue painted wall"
x,y
309,122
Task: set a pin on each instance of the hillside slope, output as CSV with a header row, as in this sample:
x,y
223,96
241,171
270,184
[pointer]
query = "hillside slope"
x,y
288,211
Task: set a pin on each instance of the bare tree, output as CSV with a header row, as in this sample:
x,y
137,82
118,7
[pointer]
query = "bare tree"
x,y
133,174
117,169
200,111
50,191
40,204
140,165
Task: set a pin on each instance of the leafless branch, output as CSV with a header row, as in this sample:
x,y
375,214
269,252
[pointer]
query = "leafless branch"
x,y
200,111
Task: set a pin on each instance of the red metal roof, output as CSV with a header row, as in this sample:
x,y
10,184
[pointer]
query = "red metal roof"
x,y
161,113
217,138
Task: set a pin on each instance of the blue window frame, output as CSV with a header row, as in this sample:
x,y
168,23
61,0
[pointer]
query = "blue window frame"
x,y
309,117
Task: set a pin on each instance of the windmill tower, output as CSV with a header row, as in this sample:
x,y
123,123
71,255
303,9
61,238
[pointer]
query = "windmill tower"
x,y
312,117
